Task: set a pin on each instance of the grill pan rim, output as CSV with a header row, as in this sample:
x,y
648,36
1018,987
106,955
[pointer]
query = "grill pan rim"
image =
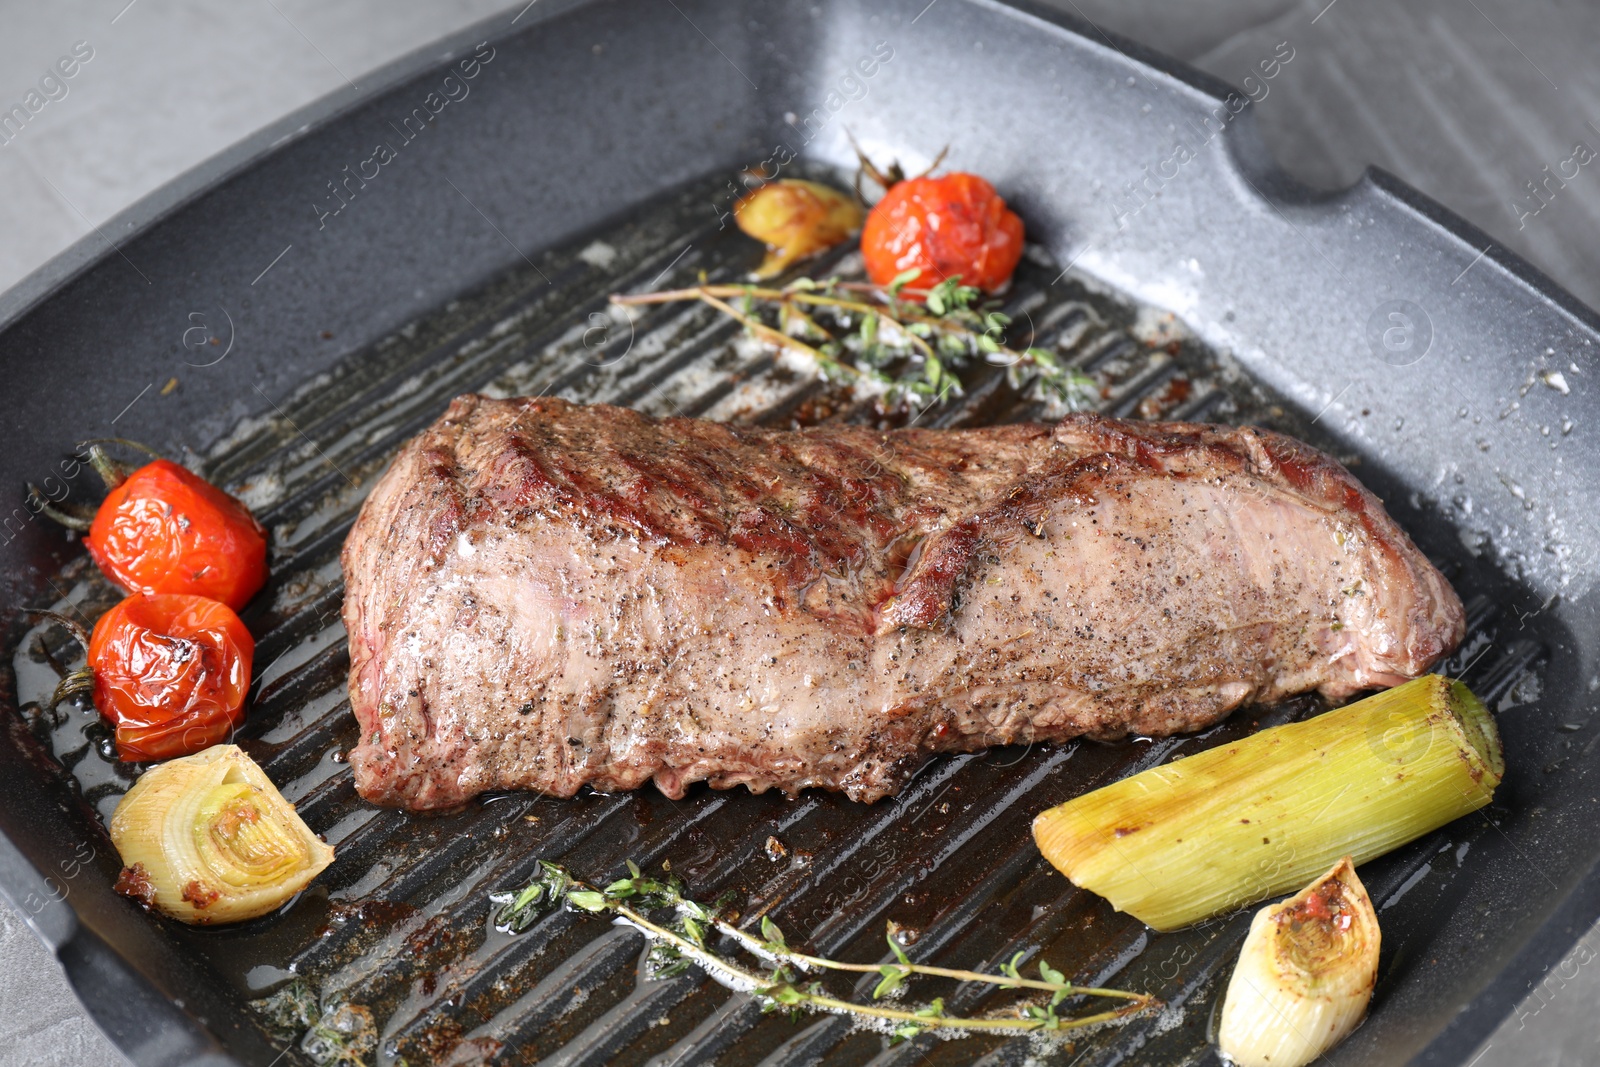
x,y
89,958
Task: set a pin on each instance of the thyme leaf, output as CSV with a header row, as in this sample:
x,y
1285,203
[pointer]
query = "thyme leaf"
x,y
903,279
774,943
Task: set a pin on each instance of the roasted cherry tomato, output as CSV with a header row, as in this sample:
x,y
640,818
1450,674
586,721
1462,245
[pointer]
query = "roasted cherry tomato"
x,y
170,672
165,530
945,226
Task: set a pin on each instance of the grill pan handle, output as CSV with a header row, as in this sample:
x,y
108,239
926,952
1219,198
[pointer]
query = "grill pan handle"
x,y
147,1027
41,904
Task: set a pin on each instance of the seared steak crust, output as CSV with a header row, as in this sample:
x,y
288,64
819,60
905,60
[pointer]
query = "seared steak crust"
x,y
541,595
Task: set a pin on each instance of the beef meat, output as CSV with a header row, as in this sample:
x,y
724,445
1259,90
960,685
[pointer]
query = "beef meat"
x,y
543,595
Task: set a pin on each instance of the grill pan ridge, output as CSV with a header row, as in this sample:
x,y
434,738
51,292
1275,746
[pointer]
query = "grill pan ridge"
x,y
398,926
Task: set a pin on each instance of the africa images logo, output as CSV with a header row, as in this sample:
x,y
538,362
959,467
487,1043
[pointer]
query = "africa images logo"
x,y
454,89
53,85
1399,332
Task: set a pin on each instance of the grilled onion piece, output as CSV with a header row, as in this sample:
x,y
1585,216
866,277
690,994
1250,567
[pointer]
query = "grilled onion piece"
x,y
796,219
1304,976
209,839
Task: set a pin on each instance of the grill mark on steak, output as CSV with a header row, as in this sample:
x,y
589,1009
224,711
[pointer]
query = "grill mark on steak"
x,y
544,595
929,589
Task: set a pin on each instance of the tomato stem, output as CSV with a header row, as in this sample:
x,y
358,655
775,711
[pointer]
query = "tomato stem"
x,y
886,178
137,446
938,159
72,626
80,680
111,471
71,519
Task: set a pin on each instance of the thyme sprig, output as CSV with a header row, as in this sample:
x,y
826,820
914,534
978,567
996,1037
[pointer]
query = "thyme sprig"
x,y
907,340
683,940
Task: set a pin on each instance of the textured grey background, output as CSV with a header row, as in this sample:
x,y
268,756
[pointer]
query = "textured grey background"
x,y
1469,101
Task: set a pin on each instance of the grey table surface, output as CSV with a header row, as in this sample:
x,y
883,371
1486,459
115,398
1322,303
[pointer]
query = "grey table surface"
x,y
1468,101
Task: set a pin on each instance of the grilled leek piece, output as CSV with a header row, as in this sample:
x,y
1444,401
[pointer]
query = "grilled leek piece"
x,y
1212,832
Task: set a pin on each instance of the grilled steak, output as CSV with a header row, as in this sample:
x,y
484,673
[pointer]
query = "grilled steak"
x,y
541,595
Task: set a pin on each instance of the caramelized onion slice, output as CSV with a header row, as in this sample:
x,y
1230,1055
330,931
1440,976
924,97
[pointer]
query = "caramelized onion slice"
x,y
209,839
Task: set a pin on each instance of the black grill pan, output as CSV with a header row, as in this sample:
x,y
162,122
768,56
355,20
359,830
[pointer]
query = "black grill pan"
x,y
287,316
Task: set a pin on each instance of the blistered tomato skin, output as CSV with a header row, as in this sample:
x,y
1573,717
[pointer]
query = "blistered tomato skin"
x,y
955,224
171,672
167,530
